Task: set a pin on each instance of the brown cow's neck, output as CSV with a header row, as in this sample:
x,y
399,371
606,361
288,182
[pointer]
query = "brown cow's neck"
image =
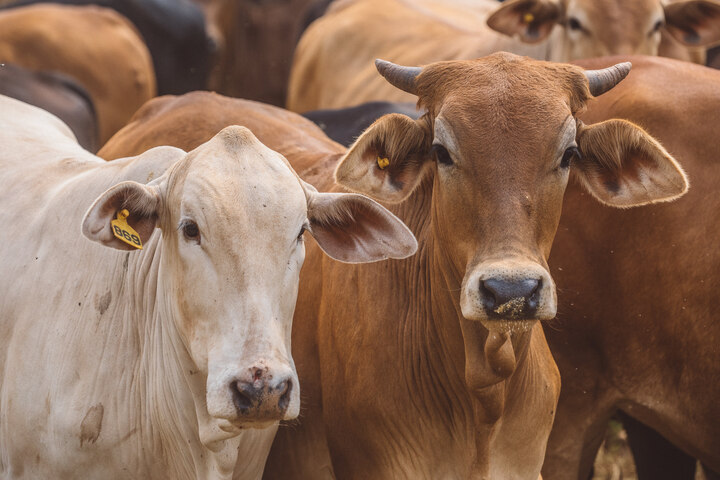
x,y
473,362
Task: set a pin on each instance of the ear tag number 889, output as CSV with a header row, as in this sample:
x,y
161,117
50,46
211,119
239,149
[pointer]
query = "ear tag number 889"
x,y
125,232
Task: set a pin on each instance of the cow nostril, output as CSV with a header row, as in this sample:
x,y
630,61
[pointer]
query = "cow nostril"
x,y
243,397
513,297
285,388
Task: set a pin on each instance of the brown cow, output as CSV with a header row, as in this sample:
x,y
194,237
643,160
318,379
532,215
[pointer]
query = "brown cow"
x,y
96,46
332,67
435,367
261,34
638,328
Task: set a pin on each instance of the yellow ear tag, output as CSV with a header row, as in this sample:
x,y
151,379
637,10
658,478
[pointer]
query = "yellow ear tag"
x,y
528,17
383,162
125,232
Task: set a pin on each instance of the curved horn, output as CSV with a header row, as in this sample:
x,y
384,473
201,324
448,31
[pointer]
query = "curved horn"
x,y
603,80
399,76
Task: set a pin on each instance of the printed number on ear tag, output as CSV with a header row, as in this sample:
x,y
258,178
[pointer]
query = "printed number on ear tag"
x,y
125,232
383,162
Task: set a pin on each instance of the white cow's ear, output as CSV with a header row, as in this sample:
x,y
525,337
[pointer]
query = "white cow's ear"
x,y
387,161
623,166
694,23
531,20
355,229
141,201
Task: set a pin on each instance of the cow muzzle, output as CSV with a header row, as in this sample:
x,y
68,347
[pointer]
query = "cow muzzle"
x,y
508,294
255,397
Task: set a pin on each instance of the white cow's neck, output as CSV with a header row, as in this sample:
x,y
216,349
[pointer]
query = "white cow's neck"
x,y
170,387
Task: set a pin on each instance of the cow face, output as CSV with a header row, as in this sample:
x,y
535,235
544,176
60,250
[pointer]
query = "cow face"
x,y
232,214
497,147
594,28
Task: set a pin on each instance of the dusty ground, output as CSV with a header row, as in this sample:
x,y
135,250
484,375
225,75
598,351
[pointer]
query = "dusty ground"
x,y
614,461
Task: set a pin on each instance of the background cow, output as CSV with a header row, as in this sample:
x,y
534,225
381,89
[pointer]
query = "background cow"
x,y
174,31
96,46
174,361
56,93
332,67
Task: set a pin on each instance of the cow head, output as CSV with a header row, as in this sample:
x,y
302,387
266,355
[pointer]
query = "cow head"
x,y
497,147
594,28
233,216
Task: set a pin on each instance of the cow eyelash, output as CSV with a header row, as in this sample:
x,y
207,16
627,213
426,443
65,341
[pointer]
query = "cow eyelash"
x,y
190,230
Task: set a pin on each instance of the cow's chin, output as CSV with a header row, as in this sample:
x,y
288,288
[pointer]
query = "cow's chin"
x,y
500,325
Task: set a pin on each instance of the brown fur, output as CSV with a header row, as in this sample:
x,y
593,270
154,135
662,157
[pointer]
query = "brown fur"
x,y
637,327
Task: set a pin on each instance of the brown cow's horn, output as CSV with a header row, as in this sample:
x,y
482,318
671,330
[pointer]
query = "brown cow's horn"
x,y
603,80
399,76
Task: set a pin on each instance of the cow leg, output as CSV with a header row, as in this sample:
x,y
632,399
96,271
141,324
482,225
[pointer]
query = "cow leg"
x,y
576,437
655,457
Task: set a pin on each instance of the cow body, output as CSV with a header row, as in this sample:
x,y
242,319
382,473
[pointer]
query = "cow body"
x,y
332,67
638,329
420,384
144,371
174,31
99,48
56,93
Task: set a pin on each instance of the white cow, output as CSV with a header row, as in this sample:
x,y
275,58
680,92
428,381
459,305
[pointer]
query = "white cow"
x,y
170,362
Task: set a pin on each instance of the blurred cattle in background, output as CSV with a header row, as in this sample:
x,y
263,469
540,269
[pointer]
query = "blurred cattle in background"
x,y
174,32
172,362
638,328
345,125
333,68
256,42
450,376
58,94
96,46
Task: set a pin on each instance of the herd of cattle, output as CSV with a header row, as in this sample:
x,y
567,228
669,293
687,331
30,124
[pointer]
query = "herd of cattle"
x,y
156,269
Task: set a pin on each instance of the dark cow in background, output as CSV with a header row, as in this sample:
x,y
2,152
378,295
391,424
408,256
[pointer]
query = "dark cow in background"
x,y
257,41
346,124
174,31
58,94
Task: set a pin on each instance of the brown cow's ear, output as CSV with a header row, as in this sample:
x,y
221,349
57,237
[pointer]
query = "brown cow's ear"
x,y
531,20
623,166
389,159
141,201
694,23
355,229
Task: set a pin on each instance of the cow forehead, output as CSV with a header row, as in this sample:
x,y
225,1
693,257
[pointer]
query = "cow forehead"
x,y
502,85
236,177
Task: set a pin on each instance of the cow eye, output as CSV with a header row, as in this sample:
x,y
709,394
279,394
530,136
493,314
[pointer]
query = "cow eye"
x,y
570,154
303,229
441,154
190,230
574,24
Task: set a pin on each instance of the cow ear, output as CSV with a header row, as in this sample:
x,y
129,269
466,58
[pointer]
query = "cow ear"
x,y
694,23
388,160
531,20
623,166
142,201
355,229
